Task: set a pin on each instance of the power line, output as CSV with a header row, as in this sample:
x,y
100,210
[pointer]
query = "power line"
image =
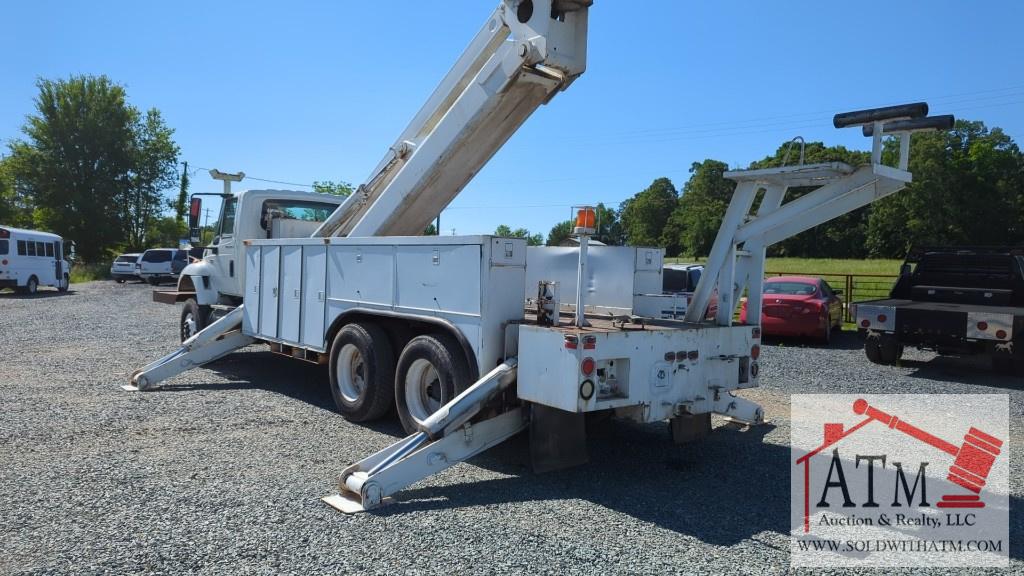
x,y
979,99
247,177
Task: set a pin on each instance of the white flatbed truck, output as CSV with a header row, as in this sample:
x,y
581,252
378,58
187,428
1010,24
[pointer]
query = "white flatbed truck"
x,y
473,339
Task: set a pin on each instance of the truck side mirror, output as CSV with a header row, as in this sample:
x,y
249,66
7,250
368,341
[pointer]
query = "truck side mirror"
x,y
195,208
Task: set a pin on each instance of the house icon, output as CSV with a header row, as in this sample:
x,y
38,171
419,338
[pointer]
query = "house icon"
x,y
972,461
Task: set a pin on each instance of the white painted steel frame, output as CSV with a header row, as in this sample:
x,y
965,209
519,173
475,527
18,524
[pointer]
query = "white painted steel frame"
x,y
736,261
508,70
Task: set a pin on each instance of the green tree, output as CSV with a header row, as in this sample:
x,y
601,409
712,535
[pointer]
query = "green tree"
x,y
693,224
609,227
154,156
430,230
93,167
968,188
165,231
181,205
15,206
531,239
644,215
560,233
338,188
77,160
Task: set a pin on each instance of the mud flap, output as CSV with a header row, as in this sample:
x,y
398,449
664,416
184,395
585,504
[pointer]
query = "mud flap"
x,y
688,428
558,439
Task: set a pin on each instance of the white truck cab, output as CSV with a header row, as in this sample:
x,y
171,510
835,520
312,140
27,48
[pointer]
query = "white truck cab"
x,y
30,259
218,279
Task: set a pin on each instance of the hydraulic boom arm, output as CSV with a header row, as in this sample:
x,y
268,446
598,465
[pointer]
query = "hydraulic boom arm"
x,y
526,52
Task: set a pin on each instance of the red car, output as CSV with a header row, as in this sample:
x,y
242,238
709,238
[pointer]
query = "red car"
x,y
798,306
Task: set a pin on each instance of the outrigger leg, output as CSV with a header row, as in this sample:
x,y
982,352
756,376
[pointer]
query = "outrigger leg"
x,y
445,439
215,341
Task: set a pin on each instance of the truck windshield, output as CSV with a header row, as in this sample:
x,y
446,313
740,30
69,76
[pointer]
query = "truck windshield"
x,y
295,210
4,247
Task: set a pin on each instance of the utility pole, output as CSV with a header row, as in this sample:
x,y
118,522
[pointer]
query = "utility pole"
x,y
206,220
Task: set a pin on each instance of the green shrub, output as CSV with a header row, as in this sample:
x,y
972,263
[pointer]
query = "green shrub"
x,y
90,272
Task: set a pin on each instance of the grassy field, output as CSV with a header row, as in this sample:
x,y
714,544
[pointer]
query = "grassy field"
x,y
822,266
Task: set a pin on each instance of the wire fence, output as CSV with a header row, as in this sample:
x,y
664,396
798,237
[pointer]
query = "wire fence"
x,y
855,287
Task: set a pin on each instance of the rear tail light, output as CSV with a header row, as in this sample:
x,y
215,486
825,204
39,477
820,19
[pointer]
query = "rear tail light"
x,y
4,261
982,326
587,366
571,342
589,342
1001,334
755,351
882,318
755,332
692,355
865,323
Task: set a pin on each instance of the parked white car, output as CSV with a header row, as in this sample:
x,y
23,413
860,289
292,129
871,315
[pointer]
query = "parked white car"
x,y
123,268
30,259
159,264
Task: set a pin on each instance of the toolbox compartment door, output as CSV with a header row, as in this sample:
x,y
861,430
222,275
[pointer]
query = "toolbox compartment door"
x,y
290,296
269,283
314,296
251,319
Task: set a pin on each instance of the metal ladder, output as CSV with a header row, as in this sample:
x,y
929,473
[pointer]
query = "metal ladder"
x,y
444,439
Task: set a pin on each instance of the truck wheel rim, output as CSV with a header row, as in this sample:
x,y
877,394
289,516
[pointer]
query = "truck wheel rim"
x,y
188,326
351,373
423,390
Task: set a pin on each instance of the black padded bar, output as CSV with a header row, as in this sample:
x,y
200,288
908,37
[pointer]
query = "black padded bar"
x,y
944,122
844,119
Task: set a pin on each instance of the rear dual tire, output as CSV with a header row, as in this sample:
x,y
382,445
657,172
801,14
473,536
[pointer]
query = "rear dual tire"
x,y
366,381
431,371
881,350
362,372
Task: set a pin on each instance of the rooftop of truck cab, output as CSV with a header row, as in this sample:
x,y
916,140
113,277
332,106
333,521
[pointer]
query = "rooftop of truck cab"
x,y
293,194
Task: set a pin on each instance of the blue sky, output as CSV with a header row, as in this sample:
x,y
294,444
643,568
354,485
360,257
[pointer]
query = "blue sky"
x,y
304,91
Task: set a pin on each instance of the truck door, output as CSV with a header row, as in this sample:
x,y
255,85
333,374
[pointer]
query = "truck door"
x,y
223,256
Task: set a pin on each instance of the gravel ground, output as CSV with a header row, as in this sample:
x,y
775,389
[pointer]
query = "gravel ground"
x,y
221,470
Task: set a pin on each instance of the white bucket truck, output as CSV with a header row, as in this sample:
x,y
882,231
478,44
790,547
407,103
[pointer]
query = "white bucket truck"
x,y
475,338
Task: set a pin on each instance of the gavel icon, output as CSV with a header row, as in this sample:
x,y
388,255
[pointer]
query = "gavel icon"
x,y
972,461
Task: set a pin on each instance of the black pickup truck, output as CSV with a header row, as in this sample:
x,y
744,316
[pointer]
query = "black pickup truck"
x,y
954,300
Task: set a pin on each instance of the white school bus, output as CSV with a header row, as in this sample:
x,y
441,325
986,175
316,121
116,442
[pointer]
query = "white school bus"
x,y
30,259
